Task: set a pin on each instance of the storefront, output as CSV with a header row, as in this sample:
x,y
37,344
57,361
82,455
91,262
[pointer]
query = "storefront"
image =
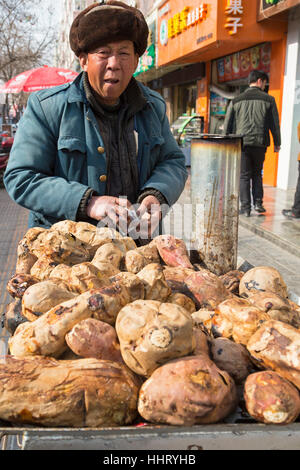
x,y
227,38
287,163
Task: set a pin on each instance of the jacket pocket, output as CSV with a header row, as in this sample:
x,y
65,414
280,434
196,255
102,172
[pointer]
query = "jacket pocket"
x,y
71,144
71,163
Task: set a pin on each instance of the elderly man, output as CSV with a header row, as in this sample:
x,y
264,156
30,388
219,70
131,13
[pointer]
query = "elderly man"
x,y
88,150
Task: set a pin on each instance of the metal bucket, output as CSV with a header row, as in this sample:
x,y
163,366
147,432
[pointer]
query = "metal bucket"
x,y
215,185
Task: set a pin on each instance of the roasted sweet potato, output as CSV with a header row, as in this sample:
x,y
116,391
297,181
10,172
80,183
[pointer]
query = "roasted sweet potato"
x,y
231,280
231,357
262,279
173,251
107,269
187,391
82,393
25,259
276,346
25,256
85,276
109,301
41,297
202,319
202,342
277,307
43,268
271,399
152,333
62,272
207,289
18,284
156,287
176,277
12,317
132,282
237,319
109,253
61,248
136,260
183,300
94,338
46,335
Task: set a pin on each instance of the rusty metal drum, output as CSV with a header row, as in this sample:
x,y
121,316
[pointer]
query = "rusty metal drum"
x,y
215,185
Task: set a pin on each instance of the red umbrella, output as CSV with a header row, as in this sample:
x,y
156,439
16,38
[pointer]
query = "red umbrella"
x,y
38,79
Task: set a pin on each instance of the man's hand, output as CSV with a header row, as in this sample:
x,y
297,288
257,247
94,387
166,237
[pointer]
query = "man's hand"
x,y
277,149
149,212
116,209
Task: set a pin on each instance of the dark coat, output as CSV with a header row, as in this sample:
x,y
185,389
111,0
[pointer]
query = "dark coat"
x,y
253,114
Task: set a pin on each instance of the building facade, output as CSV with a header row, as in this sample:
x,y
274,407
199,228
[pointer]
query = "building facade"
x,y
205,51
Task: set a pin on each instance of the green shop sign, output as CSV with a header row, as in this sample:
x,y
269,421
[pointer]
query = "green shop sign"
x,y
269,3
147,61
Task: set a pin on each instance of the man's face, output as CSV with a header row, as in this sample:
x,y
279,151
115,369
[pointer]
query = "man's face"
x,y
262,84
110,69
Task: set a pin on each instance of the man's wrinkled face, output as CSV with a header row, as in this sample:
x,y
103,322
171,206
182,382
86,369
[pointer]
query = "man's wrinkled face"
x,y
110,69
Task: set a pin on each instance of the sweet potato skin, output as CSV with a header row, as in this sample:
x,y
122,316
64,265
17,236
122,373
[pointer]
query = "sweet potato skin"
x,y
231,357
187,391
94,338
276,346
46,335
41,297
262,279
18,284
81,393
156,287
237,319
152,333
271,399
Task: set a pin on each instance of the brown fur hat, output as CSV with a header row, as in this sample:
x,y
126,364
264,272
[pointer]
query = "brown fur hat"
x,y
105,22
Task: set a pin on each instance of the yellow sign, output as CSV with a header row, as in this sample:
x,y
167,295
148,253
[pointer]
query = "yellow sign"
x,y
234,12
186,18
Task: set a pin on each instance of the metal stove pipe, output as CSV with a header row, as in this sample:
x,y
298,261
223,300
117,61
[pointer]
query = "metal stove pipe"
x,y
215,184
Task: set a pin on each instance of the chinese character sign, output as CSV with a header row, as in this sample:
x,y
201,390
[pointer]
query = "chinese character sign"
x,y
234,11
185,19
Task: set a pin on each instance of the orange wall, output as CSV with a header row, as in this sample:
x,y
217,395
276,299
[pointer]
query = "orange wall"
x,y
276,90
210,39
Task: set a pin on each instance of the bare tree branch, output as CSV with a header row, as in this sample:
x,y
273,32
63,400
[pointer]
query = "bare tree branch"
x,y
24,42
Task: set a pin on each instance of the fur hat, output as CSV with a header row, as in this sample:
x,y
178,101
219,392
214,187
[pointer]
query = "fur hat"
x,y
105,22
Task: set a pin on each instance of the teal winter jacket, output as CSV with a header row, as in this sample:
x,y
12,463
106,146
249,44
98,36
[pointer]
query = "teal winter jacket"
x,y
55,156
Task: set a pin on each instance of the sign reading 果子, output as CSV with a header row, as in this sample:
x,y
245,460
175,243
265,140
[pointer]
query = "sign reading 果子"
x,y
234,13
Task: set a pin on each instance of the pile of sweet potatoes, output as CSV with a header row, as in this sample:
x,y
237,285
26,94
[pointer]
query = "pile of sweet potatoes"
x,y
105,333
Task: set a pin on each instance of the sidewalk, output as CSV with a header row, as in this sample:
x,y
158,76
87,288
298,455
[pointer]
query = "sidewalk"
x,y
273,239
273,226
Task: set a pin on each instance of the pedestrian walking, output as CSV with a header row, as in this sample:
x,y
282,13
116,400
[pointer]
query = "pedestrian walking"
x,y
294,212
253,114
89,150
